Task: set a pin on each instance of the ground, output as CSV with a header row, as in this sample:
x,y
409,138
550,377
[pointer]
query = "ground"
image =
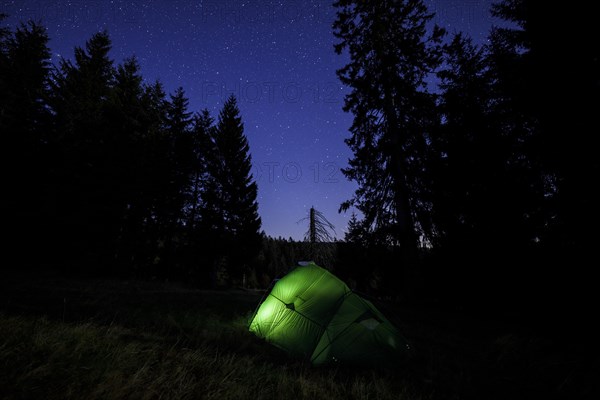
x,y
106,339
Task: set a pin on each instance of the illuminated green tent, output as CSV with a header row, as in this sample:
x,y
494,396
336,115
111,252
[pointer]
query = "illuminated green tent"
x,y
310,313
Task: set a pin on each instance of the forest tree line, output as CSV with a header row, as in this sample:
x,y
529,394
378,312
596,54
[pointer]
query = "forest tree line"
x,y
484,186
106,174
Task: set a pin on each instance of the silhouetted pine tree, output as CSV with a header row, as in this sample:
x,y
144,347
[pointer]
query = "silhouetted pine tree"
x,y
212,212
178,128
471,155
177,168
155,174
355,231
521,218
24,125
547,78
564,108
390,58
477,202
128,133
203,149
237,189
4,73
86,218
200,247
26,66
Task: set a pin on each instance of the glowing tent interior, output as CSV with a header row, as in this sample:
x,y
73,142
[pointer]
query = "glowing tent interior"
x,y
310,313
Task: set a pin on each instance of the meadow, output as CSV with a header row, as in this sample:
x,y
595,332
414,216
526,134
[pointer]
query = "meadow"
x,y
109,339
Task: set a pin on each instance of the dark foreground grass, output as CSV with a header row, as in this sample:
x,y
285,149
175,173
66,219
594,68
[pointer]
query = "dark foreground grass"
x,y
43,359
110,340
68,339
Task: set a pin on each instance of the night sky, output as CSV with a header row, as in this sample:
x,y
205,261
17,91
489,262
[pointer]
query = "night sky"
x,y
276,56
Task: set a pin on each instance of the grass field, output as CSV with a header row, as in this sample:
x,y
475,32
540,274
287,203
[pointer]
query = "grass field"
x,y
70,339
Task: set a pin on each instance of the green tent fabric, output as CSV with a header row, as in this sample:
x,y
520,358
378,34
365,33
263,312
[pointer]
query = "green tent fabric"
x,y
310,313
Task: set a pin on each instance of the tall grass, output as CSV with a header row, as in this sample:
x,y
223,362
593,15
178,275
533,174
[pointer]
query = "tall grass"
x,y
68,339
107,341
45,359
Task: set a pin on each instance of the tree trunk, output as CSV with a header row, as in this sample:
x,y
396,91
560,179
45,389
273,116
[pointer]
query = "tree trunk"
x,y
405,225
313,227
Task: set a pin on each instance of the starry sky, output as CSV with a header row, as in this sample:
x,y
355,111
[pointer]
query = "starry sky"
x,y
275,56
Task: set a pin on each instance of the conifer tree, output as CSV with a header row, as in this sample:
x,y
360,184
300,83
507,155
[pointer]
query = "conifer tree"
x,y
390,57
561,112
25,123
86,215
470,156
203,149
237,191
355,231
